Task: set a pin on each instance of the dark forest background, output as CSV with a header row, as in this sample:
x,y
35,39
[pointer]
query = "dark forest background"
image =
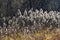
x,y
10,7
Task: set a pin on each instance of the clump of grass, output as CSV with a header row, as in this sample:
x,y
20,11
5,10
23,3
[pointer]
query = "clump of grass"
x,y
31,25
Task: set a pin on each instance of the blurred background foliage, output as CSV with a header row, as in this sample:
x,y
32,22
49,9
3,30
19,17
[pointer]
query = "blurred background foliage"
x,y
10,7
